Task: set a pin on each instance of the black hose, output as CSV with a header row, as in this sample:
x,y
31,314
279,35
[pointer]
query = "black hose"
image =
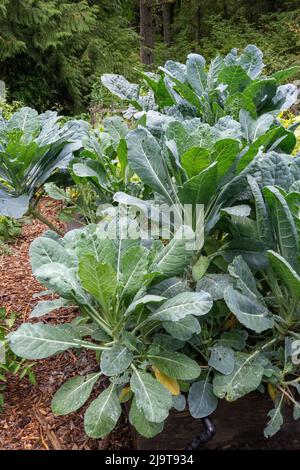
x,y
206,435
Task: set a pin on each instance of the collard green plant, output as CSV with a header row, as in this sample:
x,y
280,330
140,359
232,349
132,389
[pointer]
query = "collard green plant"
x,y
224,87
32,146
130,315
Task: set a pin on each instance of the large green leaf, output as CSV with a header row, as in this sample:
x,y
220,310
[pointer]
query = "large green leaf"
x,y
73,394
248,310
103,413
146,159
175,256
134,265
202,401
252,251
142,425
195,160
37,341
286,273
245,280
284,225
200,188
196,75
14,207
261,93
120,87
99,279
151,396
255,128
275,421
214,285
182,305
251,60
246,377
225,153
264,230
282,75
183,329
60,279
46,306
115,360
44,250
234,77
222,359
175,365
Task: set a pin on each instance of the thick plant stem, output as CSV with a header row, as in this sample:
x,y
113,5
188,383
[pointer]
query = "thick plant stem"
x,y
37,215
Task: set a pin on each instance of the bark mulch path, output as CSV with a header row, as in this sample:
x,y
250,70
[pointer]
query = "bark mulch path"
x,y
27,422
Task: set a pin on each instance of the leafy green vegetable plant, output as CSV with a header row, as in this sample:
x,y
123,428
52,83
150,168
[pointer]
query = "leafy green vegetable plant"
x,y
223,88
113,283
32,146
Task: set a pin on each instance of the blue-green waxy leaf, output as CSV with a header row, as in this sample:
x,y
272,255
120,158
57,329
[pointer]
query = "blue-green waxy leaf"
x,y
37,341
183,329
46,306
120,87
175,365
245,377
275,421
134,264
14,207
182,305
142,425
103,413
222,359
179,402
251,60
215,285
235,339
73,394
248,310
44,250
196,75
115,360
146,159
245,280
262,217
286,273
255,128
176,255
201,399
151,396
284,225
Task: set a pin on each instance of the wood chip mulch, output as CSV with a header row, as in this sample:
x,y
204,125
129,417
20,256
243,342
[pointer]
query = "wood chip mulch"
x,y
27,422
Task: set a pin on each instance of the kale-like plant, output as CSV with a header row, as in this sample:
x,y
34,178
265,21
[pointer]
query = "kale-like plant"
x,y
32,146
223,88
132,311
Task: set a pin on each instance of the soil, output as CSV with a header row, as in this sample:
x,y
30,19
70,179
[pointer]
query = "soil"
x,y
27,422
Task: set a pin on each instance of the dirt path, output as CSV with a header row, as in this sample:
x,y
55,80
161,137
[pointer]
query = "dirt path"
x,y
27,421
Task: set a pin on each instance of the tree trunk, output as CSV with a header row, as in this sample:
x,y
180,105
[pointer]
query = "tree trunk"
x,y
146,32
166,13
